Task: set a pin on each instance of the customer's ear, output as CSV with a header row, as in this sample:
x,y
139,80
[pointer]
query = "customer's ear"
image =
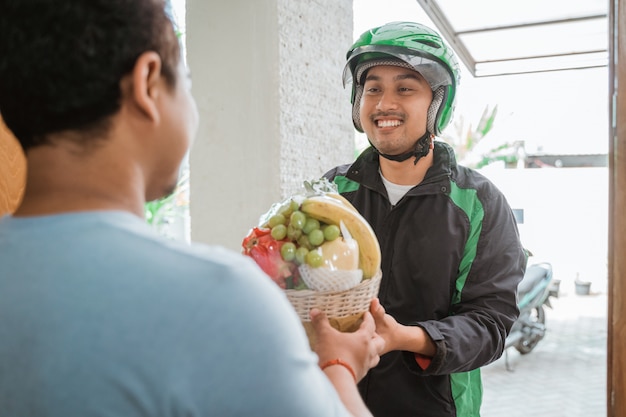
x,y
146,85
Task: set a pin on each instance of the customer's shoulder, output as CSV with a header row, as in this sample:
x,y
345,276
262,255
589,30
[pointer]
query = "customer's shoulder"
x,y
165,256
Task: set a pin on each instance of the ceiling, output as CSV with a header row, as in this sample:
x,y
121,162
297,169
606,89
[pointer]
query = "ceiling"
x,y
495,37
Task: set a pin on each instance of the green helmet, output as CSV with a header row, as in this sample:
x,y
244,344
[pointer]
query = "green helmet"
x,y
413,46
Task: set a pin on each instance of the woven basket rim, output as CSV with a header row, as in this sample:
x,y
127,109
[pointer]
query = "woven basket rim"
x,y
312,293
336,304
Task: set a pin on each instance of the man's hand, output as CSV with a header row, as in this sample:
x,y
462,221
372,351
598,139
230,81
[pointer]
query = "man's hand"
x,y
400,337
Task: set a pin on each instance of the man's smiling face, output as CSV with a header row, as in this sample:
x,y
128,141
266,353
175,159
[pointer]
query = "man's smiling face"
x,y
394,108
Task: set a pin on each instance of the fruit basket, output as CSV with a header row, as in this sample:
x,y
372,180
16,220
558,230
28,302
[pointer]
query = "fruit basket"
x,y
319,249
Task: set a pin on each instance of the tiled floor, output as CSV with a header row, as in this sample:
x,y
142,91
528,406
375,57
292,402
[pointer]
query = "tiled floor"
x,y
565,376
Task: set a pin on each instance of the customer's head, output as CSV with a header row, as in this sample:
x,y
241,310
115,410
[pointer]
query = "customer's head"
x,y
410,46
62,62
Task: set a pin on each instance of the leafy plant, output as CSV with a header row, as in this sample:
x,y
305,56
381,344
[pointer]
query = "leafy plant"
x,y
162,212
466,141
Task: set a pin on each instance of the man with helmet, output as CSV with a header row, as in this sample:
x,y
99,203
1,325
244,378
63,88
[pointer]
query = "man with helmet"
x,y
452,258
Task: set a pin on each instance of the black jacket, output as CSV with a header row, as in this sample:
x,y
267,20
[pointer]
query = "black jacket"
x,y
451,262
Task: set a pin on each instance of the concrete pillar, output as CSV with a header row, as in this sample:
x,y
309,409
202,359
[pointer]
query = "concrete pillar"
x,y
273,112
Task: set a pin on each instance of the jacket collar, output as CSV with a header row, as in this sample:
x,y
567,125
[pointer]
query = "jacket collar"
x,y
365,170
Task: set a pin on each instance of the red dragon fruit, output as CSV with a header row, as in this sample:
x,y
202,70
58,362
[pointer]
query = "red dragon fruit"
x,y
265,250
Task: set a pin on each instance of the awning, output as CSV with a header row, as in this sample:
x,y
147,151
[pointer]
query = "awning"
x,y
494,37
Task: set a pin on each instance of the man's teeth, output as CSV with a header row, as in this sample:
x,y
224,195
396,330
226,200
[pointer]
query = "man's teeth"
x,y
389,123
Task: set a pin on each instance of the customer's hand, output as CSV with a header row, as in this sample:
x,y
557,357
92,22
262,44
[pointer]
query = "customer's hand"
x,y
360,349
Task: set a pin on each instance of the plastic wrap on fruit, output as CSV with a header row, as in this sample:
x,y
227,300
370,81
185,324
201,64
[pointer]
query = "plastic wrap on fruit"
x,y
266,252
315,240
339,269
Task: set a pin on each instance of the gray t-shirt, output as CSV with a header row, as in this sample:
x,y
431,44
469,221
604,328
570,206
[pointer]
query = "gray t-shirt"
x,y
101,317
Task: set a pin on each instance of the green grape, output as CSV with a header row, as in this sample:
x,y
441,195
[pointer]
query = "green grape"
x,y
331,232
289,208
301,253
310,225
314,259
293,205
279,232
288,251
297,219
316,237
293,234
304,242
277,219
285,209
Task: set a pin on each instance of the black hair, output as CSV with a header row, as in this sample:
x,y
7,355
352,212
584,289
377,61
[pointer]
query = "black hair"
x,y
61,62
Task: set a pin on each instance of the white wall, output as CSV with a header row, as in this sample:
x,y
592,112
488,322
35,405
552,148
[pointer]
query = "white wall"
x,y
565,218
267,79
315,123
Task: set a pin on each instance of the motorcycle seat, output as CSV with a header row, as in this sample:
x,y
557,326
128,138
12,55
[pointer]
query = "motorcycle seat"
x,y
533,275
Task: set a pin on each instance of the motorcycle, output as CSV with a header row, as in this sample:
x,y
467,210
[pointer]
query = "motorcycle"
x,y
534,293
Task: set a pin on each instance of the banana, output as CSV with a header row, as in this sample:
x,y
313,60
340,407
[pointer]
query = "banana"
x,y
332,211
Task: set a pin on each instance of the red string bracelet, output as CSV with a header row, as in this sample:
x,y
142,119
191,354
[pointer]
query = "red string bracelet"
x,y
339,362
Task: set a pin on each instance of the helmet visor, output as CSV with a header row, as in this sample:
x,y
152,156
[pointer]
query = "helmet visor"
x,y
433,71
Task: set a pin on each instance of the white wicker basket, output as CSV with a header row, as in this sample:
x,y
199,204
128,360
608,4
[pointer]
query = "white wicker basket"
x,y
336,304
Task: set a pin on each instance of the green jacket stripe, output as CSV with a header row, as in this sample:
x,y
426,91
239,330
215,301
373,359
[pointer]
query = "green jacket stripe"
x,y
467,200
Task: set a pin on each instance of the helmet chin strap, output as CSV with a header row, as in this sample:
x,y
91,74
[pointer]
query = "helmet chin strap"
x,y
422,147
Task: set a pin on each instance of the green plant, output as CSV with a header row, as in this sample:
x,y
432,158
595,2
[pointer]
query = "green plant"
x,y
162,212
466,141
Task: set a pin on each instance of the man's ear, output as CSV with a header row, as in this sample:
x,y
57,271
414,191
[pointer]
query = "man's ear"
x,y
145,84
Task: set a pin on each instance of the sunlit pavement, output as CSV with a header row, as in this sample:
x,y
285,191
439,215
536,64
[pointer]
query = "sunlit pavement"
x,y
565,375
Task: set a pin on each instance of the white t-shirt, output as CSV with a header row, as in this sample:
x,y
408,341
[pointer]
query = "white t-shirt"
x,y
395,191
